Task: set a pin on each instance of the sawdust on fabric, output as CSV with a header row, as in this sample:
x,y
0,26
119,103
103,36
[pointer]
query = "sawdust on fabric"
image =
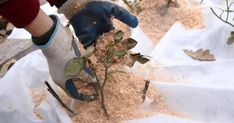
x,y
122,93
156,26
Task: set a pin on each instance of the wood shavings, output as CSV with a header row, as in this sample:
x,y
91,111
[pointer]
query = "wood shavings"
x,y
155,25
122,92
200,54
123,95
38,96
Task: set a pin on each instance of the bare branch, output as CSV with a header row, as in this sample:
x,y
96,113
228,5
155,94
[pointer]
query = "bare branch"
x,y
50,89
225,21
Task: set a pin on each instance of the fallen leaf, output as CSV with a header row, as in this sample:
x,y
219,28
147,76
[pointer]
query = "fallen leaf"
x,y
231,39
200,54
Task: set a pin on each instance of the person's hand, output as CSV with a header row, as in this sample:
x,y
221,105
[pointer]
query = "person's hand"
x,y
94,19
59,50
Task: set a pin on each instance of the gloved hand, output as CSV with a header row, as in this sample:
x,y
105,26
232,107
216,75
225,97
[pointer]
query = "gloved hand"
x,y
94,18
59,50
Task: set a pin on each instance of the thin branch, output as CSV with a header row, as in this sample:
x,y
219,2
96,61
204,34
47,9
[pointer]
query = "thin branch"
x,y
227,10
221,18
100,90
50,89
106,77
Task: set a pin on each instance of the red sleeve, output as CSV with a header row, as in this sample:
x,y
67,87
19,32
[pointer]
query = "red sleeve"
x,y
53,2
20,12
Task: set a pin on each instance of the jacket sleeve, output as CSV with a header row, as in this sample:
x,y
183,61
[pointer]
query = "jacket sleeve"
x,y
20,12
57,3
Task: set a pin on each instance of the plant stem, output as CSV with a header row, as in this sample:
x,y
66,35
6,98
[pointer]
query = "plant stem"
x,y
106,77
225,21
50,89
99,88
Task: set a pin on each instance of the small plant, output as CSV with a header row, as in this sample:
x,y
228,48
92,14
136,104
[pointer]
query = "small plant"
x,y
114,52
224,16
164,8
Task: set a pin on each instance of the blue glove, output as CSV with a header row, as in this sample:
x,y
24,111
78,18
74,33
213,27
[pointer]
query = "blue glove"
x,y
95,19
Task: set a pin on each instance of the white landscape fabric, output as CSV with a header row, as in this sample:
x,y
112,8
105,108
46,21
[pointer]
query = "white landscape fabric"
x,y
202,91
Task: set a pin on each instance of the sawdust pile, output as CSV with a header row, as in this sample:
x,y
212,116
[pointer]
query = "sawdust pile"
x,y
155,25
122,92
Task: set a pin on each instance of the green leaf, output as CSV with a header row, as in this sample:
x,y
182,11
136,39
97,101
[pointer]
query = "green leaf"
x,y
89,51
129,43
74,66
118,36
119,53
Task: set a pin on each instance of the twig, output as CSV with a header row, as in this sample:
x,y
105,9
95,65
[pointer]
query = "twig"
x,y
50,89
228,11
99,88
147,82
106,76
106,64
221,18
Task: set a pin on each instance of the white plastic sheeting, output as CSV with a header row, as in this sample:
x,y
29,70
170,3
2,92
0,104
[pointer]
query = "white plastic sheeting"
x,y
202,91
16,104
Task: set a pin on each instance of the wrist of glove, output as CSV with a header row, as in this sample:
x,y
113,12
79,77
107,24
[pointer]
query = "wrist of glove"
x,y
59,50
92,18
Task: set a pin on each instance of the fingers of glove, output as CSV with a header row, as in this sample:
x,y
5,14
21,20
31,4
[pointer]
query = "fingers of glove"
x,y
70,87
89,26
109,9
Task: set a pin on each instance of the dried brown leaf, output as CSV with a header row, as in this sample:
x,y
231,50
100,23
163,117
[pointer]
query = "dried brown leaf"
x,y
200,54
